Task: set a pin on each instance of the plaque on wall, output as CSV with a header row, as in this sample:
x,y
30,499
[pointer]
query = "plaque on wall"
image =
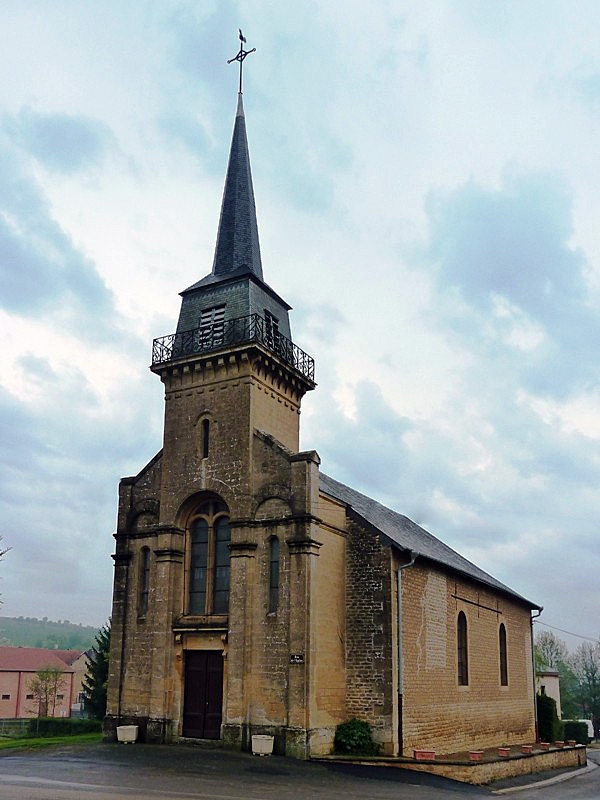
x,y
296,658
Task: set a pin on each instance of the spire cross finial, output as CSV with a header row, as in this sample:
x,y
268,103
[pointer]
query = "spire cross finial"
x,y
241,55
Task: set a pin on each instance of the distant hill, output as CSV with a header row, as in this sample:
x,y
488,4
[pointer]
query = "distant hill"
x,y
33,632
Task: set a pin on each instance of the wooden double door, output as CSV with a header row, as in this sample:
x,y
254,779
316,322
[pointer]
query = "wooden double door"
x,y
203,694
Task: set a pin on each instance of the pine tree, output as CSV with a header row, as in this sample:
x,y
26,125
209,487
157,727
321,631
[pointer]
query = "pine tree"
x,y
94,684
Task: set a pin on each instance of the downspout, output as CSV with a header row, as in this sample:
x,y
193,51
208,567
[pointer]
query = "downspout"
x,y
535,715
413,558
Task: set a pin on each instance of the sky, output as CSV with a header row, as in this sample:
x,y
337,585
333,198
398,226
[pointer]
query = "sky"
x,y
427,184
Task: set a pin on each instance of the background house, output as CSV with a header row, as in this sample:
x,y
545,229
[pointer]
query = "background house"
x,y
19,665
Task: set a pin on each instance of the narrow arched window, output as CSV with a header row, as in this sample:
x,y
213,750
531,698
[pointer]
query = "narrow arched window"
x,y
198,566
221,569
503,655
208,571
273,574
205,437
462,650
144,581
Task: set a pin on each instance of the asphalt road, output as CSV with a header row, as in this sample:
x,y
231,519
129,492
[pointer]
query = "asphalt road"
x,y
116,772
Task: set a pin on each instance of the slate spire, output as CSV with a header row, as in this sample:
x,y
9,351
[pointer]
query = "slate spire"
x,y
237,248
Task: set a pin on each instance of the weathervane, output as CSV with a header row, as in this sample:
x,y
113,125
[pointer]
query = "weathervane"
x,y
241,55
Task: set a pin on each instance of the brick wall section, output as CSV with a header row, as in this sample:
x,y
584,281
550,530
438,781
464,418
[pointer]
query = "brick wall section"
x,y
438,713
369,693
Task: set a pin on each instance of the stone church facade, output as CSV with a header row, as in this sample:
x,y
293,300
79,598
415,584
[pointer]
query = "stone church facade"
x,y
255,594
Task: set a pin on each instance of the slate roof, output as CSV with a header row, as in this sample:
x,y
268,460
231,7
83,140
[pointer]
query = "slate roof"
x,y
237,239
402,532
30,659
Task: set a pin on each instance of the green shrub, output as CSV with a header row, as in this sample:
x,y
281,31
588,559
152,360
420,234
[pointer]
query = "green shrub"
x,y
550,728
576,730
62,726
354,738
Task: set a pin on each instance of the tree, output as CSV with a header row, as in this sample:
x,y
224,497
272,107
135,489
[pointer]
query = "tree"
x,y
96,679
3,552
550,651
44,686
585,663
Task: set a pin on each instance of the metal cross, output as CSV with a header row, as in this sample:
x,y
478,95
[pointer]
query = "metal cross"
x,y
241,55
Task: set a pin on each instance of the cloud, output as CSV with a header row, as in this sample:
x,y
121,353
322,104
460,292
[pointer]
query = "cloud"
x,y
514,285
60,141
41,271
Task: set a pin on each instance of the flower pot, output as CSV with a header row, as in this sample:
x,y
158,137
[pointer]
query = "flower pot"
x,y
475,755
527,749
544,745
559,744
127,734
424,755
504,752
262,745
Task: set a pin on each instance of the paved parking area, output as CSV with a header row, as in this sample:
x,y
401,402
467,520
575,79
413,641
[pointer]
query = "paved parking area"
x,y
113,771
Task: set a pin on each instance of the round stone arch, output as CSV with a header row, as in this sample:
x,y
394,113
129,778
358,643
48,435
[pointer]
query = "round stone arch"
x,y
273,508
144,514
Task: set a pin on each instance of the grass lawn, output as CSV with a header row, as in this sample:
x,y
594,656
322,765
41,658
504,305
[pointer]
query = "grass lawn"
x,y
7,743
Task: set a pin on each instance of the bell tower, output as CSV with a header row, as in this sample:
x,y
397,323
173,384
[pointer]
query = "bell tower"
x,y
231,366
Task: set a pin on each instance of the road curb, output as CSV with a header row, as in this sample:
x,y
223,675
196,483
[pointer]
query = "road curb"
x,y
566,776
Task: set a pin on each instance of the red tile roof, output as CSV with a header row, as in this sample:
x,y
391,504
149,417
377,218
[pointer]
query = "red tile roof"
x,y
31,659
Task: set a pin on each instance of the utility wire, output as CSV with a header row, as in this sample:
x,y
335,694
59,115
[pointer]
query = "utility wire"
x,y
569,633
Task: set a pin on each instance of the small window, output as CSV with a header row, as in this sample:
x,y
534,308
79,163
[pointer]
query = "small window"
x,y
28,697
273,575
144,582
205,437
6,697
60,697
503,655
462,650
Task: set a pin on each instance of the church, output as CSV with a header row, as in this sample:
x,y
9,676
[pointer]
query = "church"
x,y
253,593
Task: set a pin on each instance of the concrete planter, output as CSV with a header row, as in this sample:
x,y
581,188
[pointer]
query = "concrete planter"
x,y
544,745
262,745
127,734
527,749
559,744
504,752
571,742
475,755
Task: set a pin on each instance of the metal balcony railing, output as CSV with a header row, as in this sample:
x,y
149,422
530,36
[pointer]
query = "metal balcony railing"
x,y
252,328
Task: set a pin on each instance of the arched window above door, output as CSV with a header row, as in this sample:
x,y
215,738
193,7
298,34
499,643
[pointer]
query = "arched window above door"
x,y
208,559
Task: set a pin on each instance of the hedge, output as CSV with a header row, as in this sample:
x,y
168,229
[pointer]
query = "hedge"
x,y
62,726
550,728
576,730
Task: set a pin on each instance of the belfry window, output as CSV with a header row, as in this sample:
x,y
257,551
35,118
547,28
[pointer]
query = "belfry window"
x,y
503,655
273,574
144,581
462,650
212,326
209,538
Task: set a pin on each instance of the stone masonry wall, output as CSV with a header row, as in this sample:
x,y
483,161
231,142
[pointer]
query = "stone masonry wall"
x,y
369,693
